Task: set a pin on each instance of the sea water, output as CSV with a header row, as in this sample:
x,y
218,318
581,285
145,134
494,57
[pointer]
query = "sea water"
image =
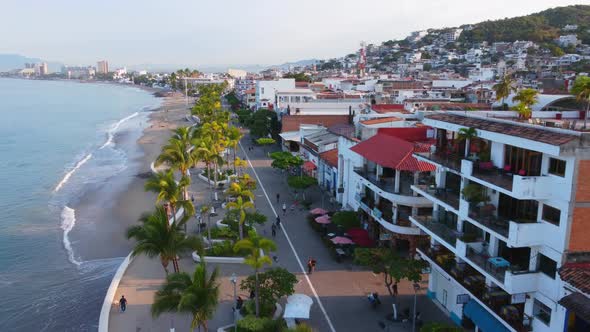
x,y
57,142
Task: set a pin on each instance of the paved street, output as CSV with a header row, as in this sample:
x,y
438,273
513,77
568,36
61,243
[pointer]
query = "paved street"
x,y
339,289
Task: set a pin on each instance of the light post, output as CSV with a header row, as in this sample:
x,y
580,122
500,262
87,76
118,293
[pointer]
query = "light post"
x,y
234,280
416,289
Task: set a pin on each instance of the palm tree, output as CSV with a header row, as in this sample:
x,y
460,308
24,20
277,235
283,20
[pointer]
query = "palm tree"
x,y
170,191
197,295
178,157
240,207
581,89
240,164
236,190
254,244
467,134
156,237
504,88
526,98
233,137
207,209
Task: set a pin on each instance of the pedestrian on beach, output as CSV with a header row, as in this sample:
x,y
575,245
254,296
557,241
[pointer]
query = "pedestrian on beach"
x,y
395,289
278,223
309,266
273,230
278,197
123,303
284,208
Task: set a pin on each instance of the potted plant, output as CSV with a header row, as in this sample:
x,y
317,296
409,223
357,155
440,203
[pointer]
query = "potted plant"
x,y
474,194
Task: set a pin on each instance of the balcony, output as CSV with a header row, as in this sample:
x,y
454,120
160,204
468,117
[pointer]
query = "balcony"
x,y
445,159
493,299
436,229
446,195
385,187
385,218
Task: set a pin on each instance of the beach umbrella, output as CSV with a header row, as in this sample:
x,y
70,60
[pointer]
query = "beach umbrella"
x,y
298,306
323,220
318,211
341,240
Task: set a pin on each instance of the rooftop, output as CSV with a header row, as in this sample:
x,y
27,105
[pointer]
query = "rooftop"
x,y
330,157
511,128
387,108
381,120
292,122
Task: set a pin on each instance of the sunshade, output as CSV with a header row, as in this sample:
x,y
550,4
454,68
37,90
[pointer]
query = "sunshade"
x,y
341,240
298,306
318,211
323,219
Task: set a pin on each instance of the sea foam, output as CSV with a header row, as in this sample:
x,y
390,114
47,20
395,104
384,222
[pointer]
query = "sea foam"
x,y
68,221
71,172
113,130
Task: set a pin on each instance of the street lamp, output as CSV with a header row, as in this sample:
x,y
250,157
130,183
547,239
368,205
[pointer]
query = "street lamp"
x,y
416,289
234,280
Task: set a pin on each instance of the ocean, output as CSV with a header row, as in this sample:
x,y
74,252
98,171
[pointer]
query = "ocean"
x,y
59,142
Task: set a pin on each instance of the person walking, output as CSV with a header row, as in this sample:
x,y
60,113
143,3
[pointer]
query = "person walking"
x,y
313,262
278,223
278,197
309,266
284,208
273,230
123,303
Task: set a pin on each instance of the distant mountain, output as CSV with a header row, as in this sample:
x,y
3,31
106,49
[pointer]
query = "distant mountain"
x,y
15,61
543,26
300,63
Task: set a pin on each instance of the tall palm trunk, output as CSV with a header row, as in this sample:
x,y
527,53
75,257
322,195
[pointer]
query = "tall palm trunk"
x,y
208,175
256,300
209,225
164,262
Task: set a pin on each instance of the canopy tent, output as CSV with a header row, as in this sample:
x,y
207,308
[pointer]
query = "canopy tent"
x,y
319,211
482,318
323,219
298,306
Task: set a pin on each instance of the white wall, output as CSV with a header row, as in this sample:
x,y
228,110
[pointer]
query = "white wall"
x,y
349,181
268,89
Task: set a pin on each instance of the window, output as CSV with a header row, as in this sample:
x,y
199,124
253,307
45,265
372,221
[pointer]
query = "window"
x,y
542,312
556,167
261,91
547,266
551,214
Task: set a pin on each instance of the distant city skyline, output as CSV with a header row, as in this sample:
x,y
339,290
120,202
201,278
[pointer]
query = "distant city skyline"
x,y
230,32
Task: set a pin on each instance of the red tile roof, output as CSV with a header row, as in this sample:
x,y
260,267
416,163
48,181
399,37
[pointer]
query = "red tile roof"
x,y
387,108
250,91
292,122
330,157
381,120
391,151
301,84
577,275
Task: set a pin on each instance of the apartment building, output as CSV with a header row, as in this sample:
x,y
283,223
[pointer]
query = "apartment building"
x,y
376,176
509,201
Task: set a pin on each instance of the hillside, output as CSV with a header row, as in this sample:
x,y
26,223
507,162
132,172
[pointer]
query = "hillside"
x,y
16,61
539,27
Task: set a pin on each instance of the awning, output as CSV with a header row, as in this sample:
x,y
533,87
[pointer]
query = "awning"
x,y
291,136
577,303
482,318
309,166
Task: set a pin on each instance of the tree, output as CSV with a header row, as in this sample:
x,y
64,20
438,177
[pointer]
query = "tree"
x,y
240,164
466,135
265,141
581,89
170,191
205,152
299,77
393,267
236,190
301,182
176,154
241,208
273,285
197,295
234,135
525,98
264,123
255,244
155,237
504,88
285,160
206,209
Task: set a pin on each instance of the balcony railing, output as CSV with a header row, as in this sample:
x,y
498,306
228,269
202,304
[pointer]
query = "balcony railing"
x,y
445,232
485,216
450,160
447,195
387,183
494,176
494,299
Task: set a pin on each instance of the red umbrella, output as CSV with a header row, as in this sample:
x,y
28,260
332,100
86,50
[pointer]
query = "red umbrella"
x,y
318,211
323,220
357,232
341,240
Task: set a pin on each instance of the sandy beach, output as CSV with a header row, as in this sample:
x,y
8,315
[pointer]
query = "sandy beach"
x,y
105,237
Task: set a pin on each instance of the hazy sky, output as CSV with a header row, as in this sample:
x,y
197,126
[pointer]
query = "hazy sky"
x,y
216,32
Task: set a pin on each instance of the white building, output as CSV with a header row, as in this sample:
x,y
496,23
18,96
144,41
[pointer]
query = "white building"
x,y
237,73
266,91
507,204
568,40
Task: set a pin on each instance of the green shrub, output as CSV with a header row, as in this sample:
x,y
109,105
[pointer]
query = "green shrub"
x,y
224,233
251,323
266,309
301,182
440,327
220,177
265,141
314,225
222,249
346,219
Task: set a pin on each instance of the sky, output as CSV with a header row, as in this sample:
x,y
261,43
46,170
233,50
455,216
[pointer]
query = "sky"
x,y
222,32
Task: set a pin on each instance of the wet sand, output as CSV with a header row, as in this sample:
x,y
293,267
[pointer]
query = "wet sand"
x,y
104,237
